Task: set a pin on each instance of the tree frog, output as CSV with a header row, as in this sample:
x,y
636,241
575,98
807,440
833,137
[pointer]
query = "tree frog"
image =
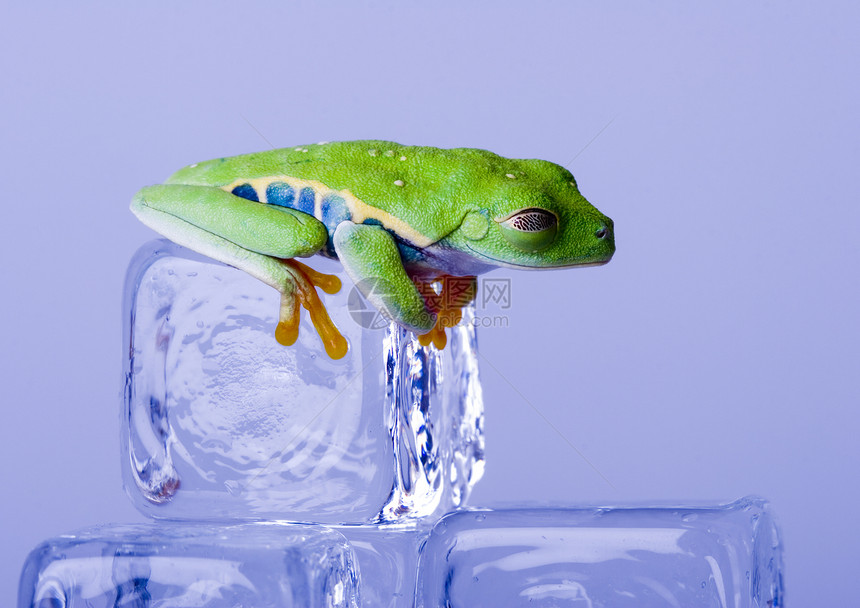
x,y
410,216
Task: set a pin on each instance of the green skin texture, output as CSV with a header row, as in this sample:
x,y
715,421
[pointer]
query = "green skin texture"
x,y
435,211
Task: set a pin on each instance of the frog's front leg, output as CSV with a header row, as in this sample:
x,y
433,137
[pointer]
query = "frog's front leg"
x,y
446,295
254,237
371,259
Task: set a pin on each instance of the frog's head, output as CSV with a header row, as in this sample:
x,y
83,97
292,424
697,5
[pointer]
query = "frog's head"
x,y
537,219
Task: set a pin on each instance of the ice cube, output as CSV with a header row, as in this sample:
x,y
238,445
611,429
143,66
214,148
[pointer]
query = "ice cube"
x,y
726,557
173,564
221,421
387,558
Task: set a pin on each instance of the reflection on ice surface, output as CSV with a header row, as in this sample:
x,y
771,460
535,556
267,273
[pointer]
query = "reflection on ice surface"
x,y
587,545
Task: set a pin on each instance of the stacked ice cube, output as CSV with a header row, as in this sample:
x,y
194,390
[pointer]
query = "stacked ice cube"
x,y
279,477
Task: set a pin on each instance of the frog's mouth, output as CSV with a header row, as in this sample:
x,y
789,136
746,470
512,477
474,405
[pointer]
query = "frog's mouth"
x,y
585,263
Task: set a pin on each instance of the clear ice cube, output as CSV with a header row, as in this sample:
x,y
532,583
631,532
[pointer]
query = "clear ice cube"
x,y
183,565
220,421
723,557
387,558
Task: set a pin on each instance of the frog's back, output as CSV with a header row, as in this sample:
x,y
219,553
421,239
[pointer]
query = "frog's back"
x,y
420,193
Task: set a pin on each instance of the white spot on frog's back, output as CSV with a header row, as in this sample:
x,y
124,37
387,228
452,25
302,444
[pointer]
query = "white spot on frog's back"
x,y
398,182
510,176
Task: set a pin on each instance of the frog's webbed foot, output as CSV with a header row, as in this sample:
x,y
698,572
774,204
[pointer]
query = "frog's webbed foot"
x,y
302,290
446,296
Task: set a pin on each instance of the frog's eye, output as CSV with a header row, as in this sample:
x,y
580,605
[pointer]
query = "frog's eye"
x,y
530,229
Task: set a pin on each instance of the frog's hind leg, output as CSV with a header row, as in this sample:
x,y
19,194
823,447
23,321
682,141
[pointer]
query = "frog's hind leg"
x,y
254,238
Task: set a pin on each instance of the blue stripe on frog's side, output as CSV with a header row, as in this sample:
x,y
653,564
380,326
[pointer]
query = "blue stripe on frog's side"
x,y
246,191
334,211
306,201
281,194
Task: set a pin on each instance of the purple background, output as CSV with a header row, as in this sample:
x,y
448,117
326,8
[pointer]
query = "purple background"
x,y
716,356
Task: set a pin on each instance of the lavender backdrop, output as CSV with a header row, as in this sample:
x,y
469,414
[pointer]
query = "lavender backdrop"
x,y
716,355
